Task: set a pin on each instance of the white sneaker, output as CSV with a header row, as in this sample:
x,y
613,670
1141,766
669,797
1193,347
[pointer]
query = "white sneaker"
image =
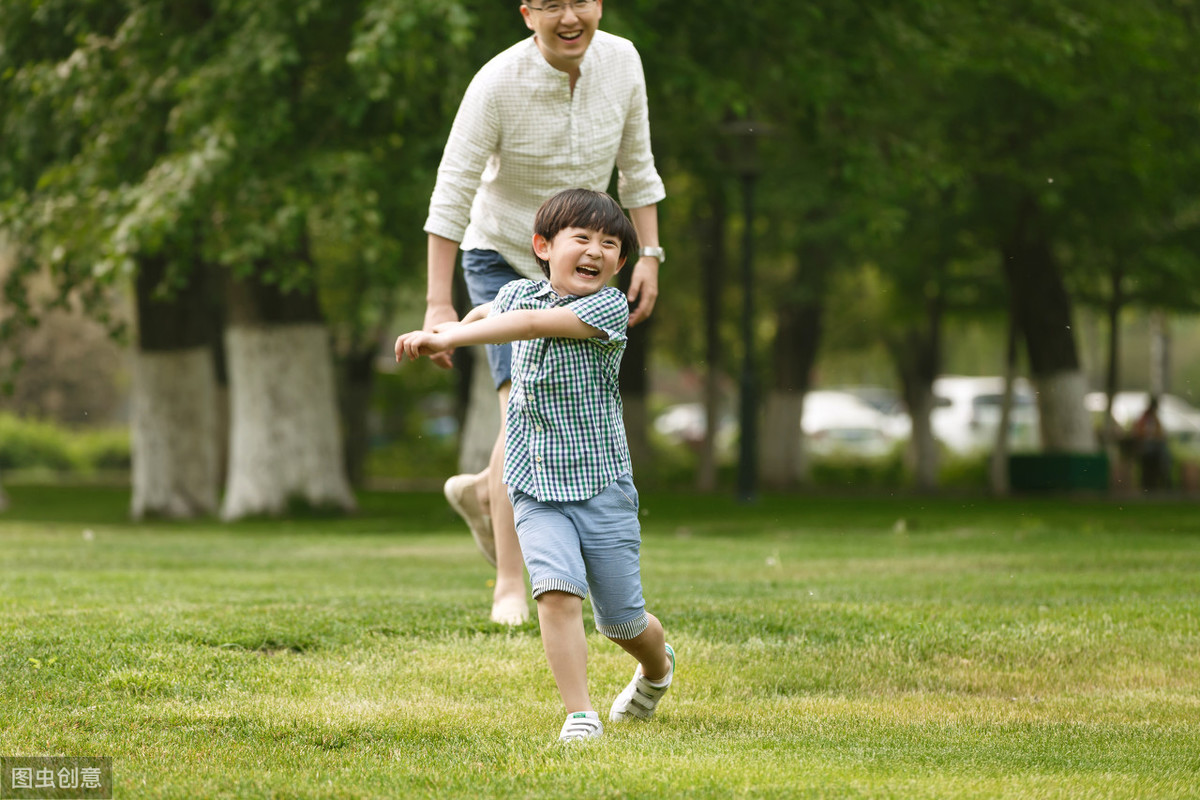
x,y
581,725
460,494
640,697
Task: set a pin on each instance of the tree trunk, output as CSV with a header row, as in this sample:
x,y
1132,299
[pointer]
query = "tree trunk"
x,y
481,422
285,441
174,438
478,403
1120,468
1112,377
924,452
1063,427
221,364
1043,310
635,382
713,265
998,463
356,378
784,461
917,355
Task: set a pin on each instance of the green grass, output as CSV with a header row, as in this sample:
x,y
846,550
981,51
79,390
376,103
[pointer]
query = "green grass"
x,y
1020,649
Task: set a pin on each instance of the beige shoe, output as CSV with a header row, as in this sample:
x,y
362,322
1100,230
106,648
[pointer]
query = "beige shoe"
x,y
460,493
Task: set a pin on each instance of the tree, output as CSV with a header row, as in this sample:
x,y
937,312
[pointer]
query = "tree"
x,y
90,84
1039,123
198,137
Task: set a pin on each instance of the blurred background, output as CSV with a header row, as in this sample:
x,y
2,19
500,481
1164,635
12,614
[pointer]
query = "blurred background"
x,y
939,246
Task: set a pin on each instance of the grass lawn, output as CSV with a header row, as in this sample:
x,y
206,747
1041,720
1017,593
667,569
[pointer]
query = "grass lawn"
x,y
828,647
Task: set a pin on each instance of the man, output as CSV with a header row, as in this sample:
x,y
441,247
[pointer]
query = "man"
x,y
557,110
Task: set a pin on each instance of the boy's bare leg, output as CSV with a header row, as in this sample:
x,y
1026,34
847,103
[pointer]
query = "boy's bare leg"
x,y
650,649
509,605
560,615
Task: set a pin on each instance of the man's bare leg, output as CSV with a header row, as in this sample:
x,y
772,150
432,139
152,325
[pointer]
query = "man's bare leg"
x,y
509,603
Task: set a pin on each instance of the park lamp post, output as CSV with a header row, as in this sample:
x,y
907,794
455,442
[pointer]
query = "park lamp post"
x,y
743,136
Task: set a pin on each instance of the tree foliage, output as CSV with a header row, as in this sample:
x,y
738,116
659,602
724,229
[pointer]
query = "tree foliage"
x,y
907,136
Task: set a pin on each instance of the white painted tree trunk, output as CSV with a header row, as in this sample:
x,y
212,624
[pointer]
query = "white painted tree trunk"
x,y
998,463
481,424
923,453
1065,424
783,460
174,434
636,416
285,440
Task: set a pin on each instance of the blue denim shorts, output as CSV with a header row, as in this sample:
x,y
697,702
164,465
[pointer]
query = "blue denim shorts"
x,y
486,272
591,545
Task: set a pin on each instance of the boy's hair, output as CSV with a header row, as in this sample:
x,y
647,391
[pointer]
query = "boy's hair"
x,y
584,208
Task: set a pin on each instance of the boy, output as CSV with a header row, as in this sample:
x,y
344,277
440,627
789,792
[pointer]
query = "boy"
x,y
566,461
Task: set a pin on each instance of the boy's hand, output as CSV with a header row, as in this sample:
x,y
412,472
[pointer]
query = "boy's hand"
x,y
420,343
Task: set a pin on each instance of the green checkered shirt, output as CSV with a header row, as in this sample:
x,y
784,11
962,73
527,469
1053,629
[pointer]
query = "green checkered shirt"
x,y
566,435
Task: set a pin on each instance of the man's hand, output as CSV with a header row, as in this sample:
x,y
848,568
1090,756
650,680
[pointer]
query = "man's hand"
x,y
437,316
643,289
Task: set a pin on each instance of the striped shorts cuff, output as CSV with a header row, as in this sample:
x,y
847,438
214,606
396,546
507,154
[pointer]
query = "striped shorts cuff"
x,y
626,630
557,585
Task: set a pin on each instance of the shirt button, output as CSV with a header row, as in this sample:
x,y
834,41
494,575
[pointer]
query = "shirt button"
x,y
538,459
538,428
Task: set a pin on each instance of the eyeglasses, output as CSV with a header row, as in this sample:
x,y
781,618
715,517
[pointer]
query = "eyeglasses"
x,y
552,10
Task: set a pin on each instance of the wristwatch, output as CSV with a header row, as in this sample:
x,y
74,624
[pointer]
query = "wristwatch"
x,y
654,252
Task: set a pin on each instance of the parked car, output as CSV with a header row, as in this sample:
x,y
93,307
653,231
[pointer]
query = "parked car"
x,y
897,422
684,423
966,414
835,422
1180,419
842,423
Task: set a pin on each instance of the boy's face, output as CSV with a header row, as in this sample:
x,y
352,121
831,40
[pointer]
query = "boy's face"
x,y
582,260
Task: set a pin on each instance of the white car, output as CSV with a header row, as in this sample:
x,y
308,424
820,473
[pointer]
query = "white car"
x,y
684,423
1180,420
966,414
842,423
834,422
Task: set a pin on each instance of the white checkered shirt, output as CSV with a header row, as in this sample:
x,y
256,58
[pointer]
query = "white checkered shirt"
x,y
566,436
520,135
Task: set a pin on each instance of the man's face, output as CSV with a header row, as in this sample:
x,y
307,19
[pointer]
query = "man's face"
x,y
563,28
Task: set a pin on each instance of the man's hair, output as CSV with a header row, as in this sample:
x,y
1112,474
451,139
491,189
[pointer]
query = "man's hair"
x,y
584,208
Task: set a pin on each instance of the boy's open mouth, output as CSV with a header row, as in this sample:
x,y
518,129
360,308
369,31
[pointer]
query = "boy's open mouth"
x,y
589,272
570,37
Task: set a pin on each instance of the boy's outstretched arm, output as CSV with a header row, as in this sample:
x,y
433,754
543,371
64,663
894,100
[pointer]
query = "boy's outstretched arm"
x,y
511,326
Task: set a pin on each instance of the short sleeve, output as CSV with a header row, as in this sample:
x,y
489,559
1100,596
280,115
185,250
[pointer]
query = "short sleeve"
x,y
508,295
607,310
